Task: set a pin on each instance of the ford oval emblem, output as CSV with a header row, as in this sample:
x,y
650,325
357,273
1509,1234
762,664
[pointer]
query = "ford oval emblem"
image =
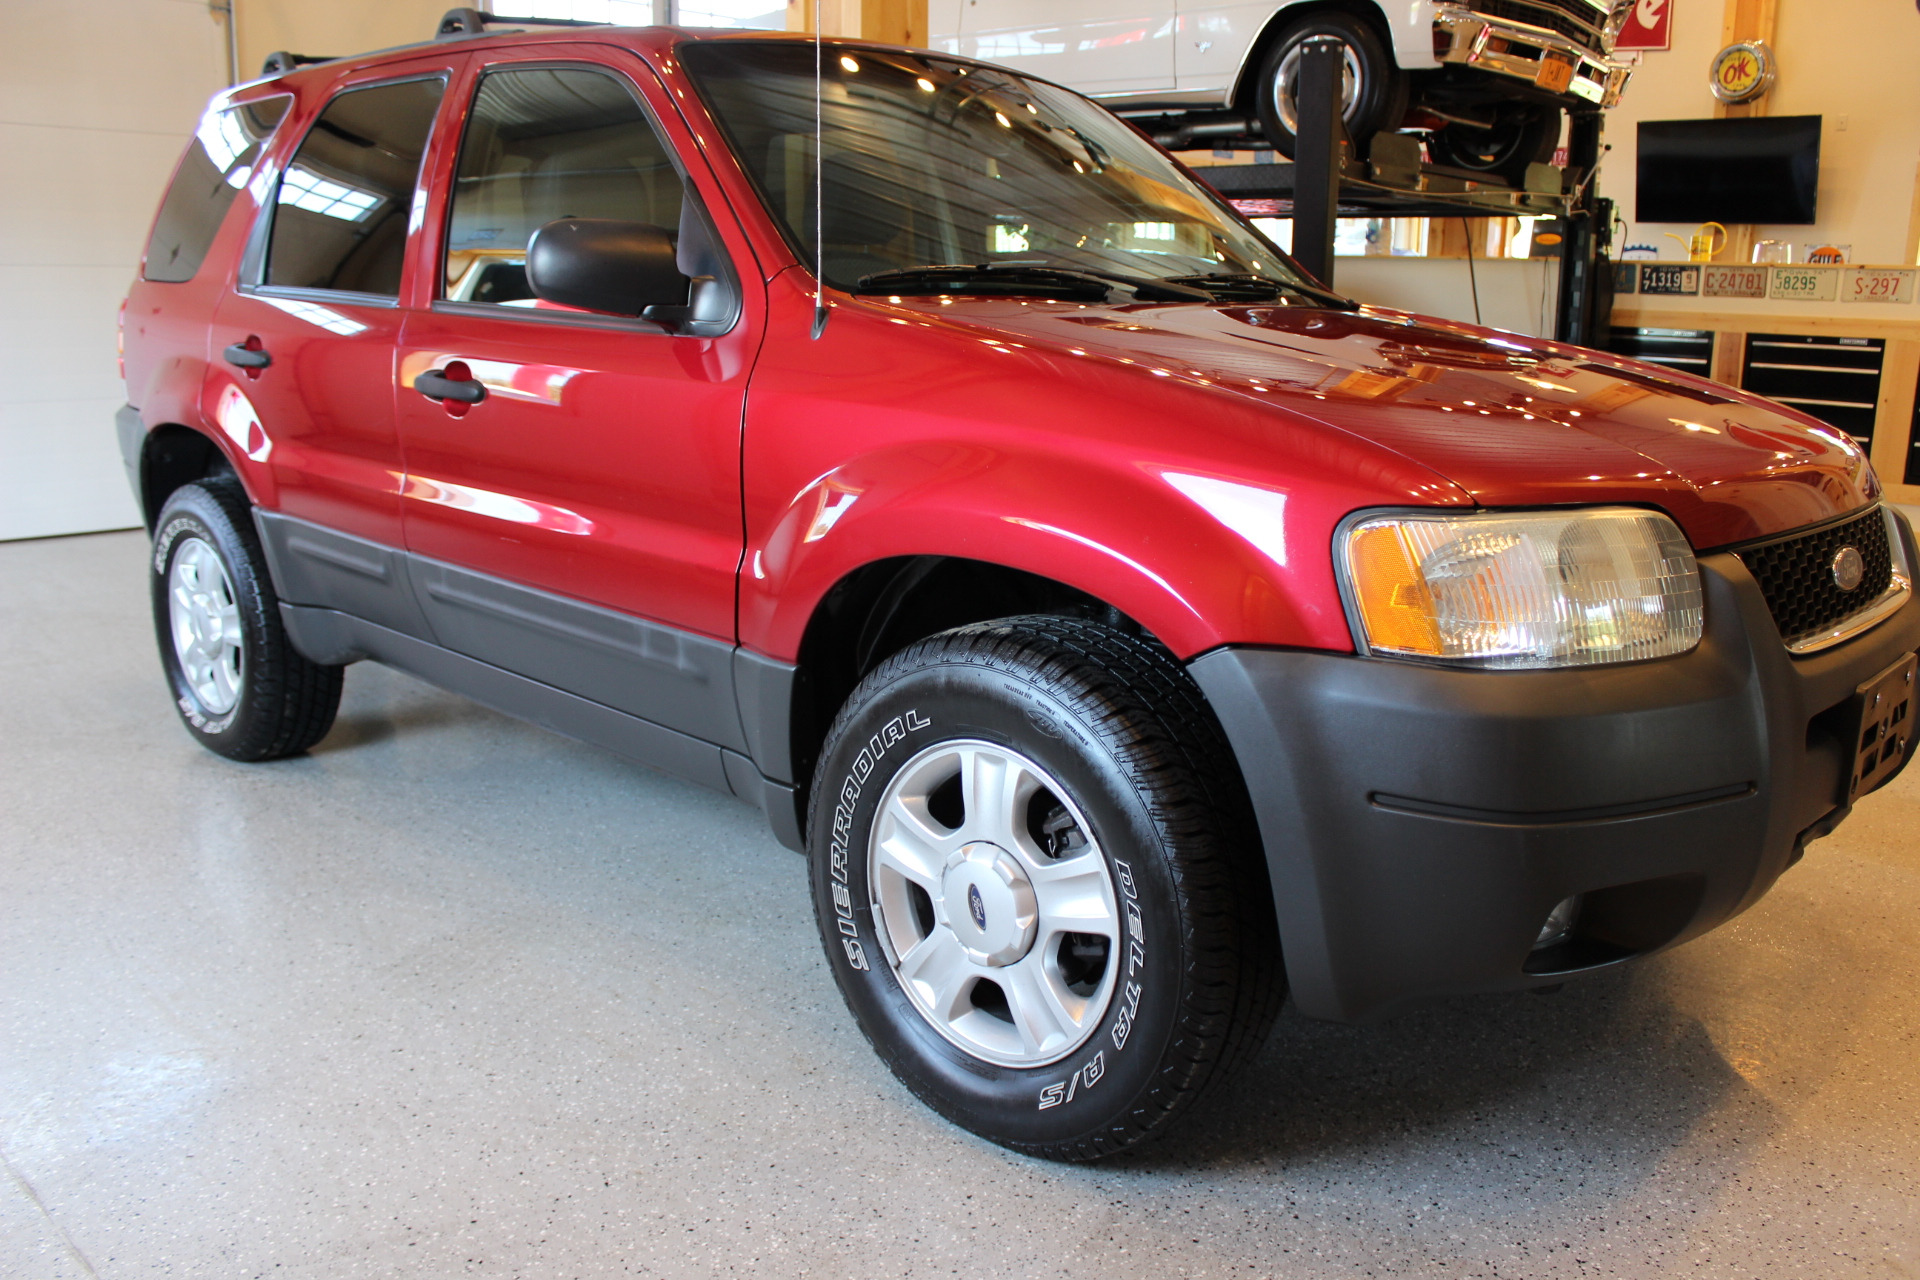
x,y
977,905
1848,568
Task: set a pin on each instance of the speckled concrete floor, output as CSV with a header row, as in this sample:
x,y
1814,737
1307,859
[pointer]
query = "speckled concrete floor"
x,y
453,996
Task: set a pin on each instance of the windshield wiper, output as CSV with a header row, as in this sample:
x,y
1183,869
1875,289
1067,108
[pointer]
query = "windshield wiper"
x,y
1011,279
1230,283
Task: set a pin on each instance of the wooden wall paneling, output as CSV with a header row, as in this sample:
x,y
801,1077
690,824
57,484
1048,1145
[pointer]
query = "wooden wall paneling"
x,y
1744,20
1913,221
891,21
1729,356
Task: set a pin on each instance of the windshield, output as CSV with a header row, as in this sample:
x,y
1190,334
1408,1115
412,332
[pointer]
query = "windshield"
x,y
931,161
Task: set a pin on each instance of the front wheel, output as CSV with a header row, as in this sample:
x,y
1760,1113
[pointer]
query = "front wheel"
x,y
1037,884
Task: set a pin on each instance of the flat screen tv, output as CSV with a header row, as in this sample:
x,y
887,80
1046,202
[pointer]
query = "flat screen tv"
x,y
1760,169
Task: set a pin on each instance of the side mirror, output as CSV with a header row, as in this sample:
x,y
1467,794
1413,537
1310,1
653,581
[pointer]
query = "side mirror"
x,y
603,264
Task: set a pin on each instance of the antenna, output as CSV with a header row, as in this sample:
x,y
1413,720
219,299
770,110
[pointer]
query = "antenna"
x,y
819,187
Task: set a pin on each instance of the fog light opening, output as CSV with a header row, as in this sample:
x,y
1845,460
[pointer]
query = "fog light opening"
x,y
1559,925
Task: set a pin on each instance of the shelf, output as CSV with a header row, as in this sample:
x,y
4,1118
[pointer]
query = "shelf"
x,y
1427,192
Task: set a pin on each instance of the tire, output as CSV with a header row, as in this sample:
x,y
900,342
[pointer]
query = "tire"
x,y
1376,88
1122,812
241,688
1523,135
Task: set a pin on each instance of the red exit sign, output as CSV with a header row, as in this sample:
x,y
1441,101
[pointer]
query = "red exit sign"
x,y
1649,26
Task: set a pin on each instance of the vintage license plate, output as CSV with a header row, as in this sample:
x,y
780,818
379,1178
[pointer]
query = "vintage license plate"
x,y
1803,284
1669,277
1555,75
1734,282
1877,284
1886,713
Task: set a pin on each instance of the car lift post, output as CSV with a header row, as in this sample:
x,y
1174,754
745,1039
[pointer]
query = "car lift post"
x,y
1320,141
1576,320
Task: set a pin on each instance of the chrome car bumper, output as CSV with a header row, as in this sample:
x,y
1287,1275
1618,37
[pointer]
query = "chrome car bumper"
x,y
1465,38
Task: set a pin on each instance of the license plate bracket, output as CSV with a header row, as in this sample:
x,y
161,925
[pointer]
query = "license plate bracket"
x,y
1555,74
1884,711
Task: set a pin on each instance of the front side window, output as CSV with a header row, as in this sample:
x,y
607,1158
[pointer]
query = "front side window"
x,y
929,160
216,167
340,219
545,143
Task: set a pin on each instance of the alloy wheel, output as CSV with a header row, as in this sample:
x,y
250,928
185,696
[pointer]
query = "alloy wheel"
x,y
994,904
205,624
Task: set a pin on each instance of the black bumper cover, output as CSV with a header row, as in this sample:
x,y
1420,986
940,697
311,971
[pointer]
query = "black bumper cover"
x,y
1421,822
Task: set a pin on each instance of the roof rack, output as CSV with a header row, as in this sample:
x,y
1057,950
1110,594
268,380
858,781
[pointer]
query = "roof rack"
x,y
280,62
458,24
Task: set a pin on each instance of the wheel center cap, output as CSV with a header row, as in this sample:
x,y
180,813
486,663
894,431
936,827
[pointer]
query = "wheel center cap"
x,y
989,904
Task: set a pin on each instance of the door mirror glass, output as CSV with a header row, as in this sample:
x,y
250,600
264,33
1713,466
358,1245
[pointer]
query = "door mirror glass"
x,y
605,264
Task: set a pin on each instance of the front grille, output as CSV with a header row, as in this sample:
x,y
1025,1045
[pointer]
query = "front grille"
x,y
1795,574
1577,20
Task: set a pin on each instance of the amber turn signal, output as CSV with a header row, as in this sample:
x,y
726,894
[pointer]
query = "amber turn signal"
x,y
1394,602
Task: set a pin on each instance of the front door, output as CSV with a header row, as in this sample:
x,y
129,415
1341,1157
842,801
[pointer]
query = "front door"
x,y
580,523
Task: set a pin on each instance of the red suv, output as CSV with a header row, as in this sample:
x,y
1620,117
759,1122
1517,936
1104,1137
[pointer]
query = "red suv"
x,y
1130,629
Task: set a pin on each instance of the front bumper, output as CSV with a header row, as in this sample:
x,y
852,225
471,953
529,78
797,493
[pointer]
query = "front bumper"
x,y
1420,823
1517,50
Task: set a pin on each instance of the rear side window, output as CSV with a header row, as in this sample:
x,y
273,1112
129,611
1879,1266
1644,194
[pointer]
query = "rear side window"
x,y
546,143
340,218
215,168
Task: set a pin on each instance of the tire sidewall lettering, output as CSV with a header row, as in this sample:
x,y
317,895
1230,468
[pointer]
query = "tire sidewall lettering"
x,y
839,846
1029,720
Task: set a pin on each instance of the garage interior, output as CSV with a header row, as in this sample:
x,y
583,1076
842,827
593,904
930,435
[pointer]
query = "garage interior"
x,y
450,994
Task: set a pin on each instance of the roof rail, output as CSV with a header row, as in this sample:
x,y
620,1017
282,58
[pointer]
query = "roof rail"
x,y
280,62
460,23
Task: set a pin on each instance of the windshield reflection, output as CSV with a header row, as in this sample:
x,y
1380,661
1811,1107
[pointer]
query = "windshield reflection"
x,y
936,161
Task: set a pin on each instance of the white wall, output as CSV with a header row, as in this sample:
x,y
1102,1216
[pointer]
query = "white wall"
x,y
1515,294
97,97
1853,63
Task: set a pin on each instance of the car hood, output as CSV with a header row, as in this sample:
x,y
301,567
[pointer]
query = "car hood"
x,y
1511,420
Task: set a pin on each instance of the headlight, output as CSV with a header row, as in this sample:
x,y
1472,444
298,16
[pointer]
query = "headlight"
x,y
1524,589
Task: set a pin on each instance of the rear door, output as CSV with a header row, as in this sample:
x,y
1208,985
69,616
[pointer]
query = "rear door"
x,y
303,347
581,523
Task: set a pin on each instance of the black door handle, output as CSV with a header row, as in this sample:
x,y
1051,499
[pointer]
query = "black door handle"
x,y
245,355
434,384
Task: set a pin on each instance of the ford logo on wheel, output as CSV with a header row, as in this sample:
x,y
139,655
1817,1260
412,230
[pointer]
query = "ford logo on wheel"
x,y
1848,568
977,905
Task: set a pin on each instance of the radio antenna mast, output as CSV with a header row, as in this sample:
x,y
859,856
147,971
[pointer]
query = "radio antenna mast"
x,y
819,185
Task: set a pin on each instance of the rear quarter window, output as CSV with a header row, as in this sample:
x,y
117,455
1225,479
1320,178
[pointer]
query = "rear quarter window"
x,y
340,218
217,164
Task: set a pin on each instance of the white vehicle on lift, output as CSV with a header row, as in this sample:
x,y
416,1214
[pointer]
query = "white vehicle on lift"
x,y
1485,80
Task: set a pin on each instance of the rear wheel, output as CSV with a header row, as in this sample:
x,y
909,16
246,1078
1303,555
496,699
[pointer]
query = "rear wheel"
x,y
1037,883
1374,89
240,686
